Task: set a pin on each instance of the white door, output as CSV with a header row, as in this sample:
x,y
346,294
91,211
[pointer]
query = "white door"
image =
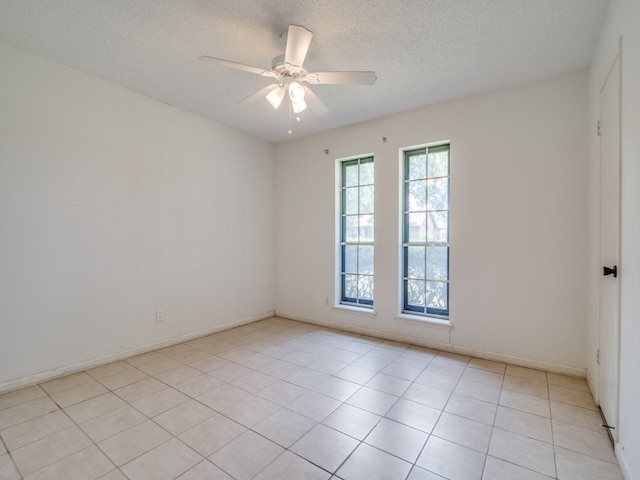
x,y
609,129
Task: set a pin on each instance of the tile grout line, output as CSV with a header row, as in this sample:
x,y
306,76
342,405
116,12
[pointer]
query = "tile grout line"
x,y
493,426
553,439
15,465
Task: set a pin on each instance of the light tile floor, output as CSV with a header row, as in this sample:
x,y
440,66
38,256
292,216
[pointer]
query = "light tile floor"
x,y
280,399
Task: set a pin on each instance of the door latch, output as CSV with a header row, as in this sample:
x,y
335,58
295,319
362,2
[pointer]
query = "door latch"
x,y
608,271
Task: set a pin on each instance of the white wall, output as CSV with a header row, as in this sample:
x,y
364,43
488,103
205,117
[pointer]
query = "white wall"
x,y
622,20
518,222
113,205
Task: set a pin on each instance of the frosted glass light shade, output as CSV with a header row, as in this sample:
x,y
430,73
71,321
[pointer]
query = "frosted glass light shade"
x,y
298,105
275,96
296,91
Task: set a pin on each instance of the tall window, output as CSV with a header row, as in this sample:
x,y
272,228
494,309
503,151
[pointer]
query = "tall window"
x,y
425,242
356,232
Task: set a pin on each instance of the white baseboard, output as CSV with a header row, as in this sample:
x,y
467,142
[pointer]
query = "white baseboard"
x,y
622,461
592,387
472,352
96,362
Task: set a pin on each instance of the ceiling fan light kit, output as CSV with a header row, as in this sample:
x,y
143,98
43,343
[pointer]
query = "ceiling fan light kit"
x,y
291,74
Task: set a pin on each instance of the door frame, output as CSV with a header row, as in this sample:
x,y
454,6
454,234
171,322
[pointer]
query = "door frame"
x,y
616,63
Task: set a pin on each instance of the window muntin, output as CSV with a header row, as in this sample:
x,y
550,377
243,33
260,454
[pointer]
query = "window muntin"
x,y
425,231
356,232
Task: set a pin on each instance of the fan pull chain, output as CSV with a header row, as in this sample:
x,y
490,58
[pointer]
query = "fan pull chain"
x,y
290,131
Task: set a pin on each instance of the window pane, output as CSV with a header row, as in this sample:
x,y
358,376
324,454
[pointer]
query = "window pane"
x,y
351,228
425,183
365,287
417,166
415,262
417,196
357,229
350,259
438,163
351,201
366,228
417,223
366,199
415,293
437,295
438,194
366,173
437,263
350,174
351,286
437,227
365,259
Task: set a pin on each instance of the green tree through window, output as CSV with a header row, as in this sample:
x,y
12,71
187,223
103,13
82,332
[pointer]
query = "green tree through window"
x,y
425,242
356,232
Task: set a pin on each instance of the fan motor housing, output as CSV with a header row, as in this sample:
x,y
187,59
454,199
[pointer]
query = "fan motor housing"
x,y
286,71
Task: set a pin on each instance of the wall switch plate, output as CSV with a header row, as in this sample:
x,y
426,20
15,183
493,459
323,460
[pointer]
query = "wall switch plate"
x,y
159,316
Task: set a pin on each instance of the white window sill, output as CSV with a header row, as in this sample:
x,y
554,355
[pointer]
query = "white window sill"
x,y
365,312
433,322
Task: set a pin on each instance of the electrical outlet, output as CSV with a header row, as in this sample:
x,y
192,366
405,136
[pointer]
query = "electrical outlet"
x,y
159,316
326,300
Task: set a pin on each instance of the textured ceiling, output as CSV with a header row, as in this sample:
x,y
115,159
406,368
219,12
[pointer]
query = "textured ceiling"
x,y
423,51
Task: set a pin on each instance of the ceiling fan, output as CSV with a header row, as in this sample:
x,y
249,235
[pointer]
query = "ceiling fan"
x,y
291,75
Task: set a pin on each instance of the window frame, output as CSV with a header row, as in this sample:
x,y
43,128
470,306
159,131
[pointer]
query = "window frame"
x,y
342,300
405,241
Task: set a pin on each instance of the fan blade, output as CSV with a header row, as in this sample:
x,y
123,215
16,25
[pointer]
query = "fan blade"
x,y
298,41
262,93
236,65
314,102
341,78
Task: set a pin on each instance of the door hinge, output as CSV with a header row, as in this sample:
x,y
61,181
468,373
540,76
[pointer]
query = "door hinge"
x,y
599,128
598,356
